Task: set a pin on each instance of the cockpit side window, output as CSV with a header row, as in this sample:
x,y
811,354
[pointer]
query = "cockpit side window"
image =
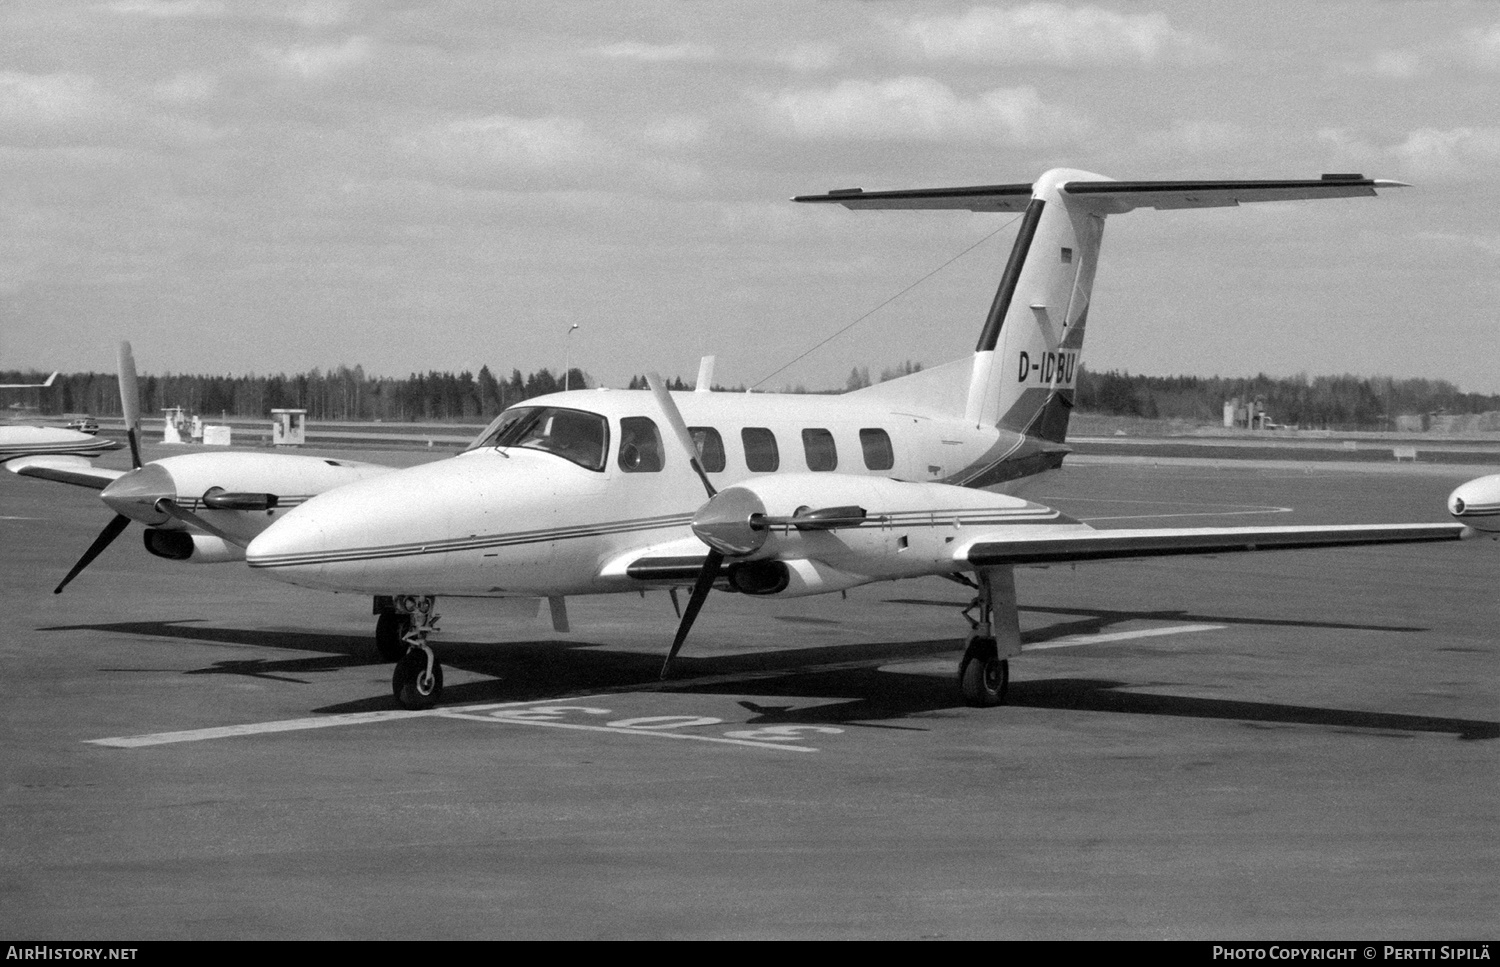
x,y
574,435
640,445
710,448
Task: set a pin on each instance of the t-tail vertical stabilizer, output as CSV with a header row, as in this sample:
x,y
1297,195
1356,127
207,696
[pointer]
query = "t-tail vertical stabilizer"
x,y
1024,370
1026,361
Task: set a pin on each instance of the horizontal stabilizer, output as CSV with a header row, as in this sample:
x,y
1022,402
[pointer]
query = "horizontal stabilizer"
x,y
1169,542
1111,197
976,198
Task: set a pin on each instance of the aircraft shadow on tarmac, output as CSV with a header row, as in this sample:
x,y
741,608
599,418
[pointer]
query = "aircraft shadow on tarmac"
x,y
1096,620
878,697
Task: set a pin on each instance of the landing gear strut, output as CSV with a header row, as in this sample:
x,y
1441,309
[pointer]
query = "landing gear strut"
x,y
417,681
390,630
994,636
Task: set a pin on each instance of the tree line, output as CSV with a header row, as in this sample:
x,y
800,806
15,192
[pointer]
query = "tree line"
x,y
337,394
1316,402
1334,402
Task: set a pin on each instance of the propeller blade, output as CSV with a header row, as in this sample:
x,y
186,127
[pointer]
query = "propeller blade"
x,y
105,538
701,587
130,402
172,509
679,429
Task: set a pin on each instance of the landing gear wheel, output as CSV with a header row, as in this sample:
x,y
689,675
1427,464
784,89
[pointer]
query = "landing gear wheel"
x,y
414,687
390,632
983,676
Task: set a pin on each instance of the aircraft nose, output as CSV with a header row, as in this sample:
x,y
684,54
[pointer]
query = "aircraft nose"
x,y
135,494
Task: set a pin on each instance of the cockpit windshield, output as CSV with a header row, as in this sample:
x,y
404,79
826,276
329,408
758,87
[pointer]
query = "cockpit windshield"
x,y
571,434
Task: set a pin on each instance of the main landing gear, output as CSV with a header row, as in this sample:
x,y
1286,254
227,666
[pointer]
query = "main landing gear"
x,y
994,636
401,635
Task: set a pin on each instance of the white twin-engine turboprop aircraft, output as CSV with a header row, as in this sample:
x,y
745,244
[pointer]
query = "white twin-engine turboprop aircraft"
x,y
592,492
595,492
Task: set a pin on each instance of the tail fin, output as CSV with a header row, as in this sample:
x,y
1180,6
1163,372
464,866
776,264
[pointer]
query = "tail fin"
x,y
1025,366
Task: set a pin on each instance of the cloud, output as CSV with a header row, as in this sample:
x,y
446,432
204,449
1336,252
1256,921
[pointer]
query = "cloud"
x,y
550,152
920,109
1201,137
655,53
169,9
1488,243
1475,49
502,139
187,87
312,13
1400,64
807,57
1480,47
1432,153
1451,151
1052,34
319,61
49,98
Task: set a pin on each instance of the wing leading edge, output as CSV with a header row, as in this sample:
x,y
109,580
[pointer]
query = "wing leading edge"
x,y
1093,545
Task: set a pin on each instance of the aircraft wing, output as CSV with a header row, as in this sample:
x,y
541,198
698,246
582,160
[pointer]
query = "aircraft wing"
x,y
1168,542
64,469
1112,197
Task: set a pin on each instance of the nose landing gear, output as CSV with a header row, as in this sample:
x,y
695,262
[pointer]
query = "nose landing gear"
x,y
401,632
417,681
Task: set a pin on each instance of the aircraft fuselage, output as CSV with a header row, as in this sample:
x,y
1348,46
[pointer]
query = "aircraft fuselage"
x,y
522,520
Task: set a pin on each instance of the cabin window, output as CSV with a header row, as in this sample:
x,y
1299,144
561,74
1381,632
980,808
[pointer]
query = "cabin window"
x,y
574,435
640,445
761,455
818,446
710,448
877,446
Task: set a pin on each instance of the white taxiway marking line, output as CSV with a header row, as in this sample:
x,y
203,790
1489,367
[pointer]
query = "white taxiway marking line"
x,y
1076,640
1221,513
285,725
496,714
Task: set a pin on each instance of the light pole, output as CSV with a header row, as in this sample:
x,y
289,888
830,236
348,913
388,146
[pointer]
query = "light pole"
x,y
568,361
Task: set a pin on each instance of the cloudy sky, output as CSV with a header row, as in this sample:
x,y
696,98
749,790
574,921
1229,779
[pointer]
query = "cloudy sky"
x,y
273,186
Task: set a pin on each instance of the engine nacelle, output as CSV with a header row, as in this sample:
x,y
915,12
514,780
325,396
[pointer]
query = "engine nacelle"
x,y
1477,503
195,548
759,577
790,579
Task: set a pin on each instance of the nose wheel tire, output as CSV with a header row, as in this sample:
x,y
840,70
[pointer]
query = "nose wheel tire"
x,y
983,676
414,686
390,632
